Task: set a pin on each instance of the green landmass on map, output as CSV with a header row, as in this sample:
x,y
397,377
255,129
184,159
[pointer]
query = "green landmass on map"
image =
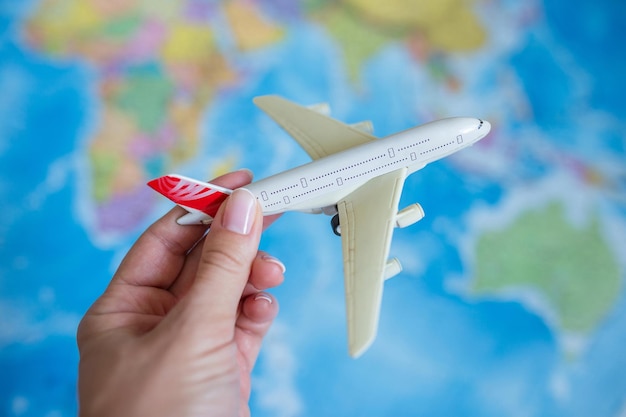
x,y
571,268
145,94
158,68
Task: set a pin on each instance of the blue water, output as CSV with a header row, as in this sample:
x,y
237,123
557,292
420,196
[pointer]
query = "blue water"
x,y
49,268
438,352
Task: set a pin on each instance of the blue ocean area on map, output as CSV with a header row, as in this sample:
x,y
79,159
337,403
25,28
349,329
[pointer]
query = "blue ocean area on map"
x,y
460,333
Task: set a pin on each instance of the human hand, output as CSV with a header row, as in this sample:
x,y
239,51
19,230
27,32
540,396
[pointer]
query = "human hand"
x,y
179,328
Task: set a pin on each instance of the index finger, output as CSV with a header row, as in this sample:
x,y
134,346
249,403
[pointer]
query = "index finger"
x,y
159,254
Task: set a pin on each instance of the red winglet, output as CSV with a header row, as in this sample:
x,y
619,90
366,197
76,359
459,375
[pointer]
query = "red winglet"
x,y
190,193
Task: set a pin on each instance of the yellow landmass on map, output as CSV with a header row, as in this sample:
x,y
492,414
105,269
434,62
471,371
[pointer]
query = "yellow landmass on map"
x,y
459,30
92,30
193,61
188,43
450,25
250,29
364,26
185,117
113,168
403,12
158,67
60,26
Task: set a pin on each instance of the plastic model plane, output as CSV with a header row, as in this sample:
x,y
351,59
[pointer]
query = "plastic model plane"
x,y
355,177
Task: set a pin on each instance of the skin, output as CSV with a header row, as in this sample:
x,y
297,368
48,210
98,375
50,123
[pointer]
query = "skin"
x,y
180,326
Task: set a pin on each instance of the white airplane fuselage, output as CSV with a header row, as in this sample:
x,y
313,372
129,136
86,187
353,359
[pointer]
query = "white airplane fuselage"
x,y
322,183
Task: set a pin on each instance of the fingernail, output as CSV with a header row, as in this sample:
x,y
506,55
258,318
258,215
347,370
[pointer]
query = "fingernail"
x,y
263,296
240,211
270,258
248,171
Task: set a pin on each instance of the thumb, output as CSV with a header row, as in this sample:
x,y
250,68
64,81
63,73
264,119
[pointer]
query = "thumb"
x,y
227,255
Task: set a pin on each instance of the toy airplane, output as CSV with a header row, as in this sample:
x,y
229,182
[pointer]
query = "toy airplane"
x,y
354,177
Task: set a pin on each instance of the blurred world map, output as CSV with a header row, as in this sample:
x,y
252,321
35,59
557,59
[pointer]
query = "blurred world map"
x,y
511,301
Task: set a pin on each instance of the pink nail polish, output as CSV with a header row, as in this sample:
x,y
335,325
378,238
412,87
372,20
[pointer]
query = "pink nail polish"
x,y
240,212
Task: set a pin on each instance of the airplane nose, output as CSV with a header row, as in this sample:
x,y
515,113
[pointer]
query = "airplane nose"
x,y
484,126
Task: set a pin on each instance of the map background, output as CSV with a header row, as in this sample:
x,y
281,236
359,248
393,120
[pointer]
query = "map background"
x,y
546,78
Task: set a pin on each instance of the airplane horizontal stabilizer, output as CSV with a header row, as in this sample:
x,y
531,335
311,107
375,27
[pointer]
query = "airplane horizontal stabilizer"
x,y
193,195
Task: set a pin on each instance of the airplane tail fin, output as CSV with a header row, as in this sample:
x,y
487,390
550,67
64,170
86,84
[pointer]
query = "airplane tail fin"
x,y
193,195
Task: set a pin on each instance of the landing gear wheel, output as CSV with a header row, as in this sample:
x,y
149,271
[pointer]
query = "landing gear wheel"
x,y
334,223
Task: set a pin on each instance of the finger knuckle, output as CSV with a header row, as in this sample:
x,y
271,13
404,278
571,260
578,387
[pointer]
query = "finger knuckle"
x,y
221,258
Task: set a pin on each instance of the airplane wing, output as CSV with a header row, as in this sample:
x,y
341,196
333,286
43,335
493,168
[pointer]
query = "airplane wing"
x,y
319,135
367,219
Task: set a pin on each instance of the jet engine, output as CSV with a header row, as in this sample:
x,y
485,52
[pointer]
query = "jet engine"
x,y
409,215
392,268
